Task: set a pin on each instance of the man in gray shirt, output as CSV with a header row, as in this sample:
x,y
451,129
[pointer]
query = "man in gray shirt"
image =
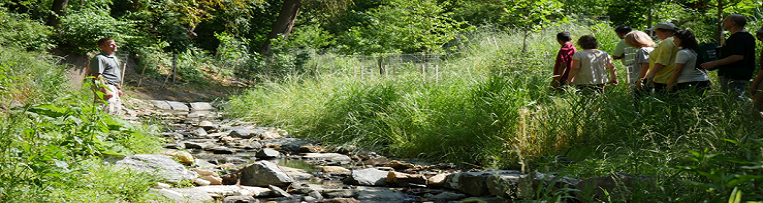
x,y
105,68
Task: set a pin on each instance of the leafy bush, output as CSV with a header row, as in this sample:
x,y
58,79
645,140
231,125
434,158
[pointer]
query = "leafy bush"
x,y
81,29
18,30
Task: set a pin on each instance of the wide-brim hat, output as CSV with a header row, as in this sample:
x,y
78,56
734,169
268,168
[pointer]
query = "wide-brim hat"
x,y
663,25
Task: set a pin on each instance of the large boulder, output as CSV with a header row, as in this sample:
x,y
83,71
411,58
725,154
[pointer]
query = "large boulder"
x,y
264,173
473,183
162,166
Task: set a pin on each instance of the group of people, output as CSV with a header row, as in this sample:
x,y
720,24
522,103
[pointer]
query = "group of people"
x,y
673,65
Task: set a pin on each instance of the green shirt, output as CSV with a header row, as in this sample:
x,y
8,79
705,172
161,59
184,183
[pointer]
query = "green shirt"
x,y
620,50
108,66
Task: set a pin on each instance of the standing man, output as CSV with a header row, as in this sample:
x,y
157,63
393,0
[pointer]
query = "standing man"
x,y
105,68
619,52
737,57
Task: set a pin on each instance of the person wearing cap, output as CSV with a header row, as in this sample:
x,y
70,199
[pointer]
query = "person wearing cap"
x,y
662,59
619,52
563,59
737,58
756,89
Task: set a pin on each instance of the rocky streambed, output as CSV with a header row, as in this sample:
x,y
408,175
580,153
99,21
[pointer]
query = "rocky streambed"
x,y
208,159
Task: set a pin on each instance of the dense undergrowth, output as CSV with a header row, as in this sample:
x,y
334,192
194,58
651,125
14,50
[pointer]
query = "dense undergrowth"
x,y
54,140
486,111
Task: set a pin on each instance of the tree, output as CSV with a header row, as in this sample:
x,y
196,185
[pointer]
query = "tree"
x,y
531,15
284,24
59,10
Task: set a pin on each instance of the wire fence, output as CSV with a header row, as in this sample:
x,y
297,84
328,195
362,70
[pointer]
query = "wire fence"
x,y
375,66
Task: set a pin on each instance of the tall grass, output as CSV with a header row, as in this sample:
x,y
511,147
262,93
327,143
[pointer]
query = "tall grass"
x,y
488,112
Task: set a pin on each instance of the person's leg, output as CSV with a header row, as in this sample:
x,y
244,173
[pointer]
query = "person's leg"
x,y
724,82
113,105
737,88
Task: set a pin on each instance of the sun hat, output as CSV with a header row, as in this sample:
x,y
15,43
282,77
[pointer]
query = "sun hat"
x,y
663,25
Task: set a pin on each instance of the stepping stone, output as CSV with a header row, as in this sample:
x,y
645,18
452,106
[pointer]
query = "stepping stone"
x,y
202,106
178,106
161,104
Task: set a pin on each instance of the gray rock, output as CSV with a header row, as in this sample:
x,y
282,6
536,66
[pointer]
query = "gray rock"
x,y
240,132
199,132
486,200
315,195
448,196
264,173
505,185
473,183
200,163
327,158
233,160
240,199
207,125
195,145
380,195
290,145
174,136
202,106
267,153
223,150
369,177
339,193
161,104
178,106
233,190
162,166
278,192
188,195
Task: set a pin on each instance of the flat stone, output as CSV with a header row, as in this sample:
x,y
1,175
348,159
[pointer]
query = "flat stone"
x,y
329,158
380,195
267,153
178,106
161,104
278,192
201,106
223,150
234,190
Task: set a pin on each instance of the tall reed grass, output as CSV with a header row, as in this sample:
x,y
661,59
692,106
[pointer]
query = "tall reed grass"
x,y
488,112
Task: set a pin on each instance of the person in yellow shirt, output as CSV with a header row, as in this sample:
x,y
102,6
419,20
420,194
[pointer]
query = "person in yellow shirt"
x,y
662,59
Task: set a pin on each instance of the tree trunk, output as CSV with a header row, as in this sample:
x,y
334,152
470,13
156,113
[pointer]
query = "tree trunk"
x,y
719,27
284,24
59,8
649,22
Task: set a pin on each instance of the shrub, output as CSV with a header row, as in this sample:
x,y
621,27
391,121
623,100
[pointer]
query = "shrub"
x,y
18,30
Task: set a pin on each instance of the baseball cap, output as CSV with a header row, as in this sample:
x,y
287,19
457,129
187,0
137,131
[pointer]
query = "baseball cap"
x,y
663,25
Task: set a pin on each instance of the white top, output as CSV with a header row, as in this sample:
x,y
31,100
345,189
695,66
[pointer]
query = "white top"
x,y
689,72
593,69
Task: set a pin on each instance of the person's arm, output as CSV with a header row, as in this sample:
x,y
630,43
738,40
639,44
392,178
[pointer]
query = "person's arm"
x,y
562,69
653,71
642,74
612,73
756,82
673,77
574,69
728,60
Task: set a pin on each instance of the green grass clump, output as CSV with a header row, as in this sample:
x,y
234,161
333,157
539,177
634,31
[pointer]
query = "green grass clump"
x,y
488,109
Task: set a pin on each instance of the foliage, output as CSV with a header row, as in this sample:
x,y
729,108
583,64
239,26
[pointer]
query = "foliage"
x,y
81,29
18,30
403,26
52,138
